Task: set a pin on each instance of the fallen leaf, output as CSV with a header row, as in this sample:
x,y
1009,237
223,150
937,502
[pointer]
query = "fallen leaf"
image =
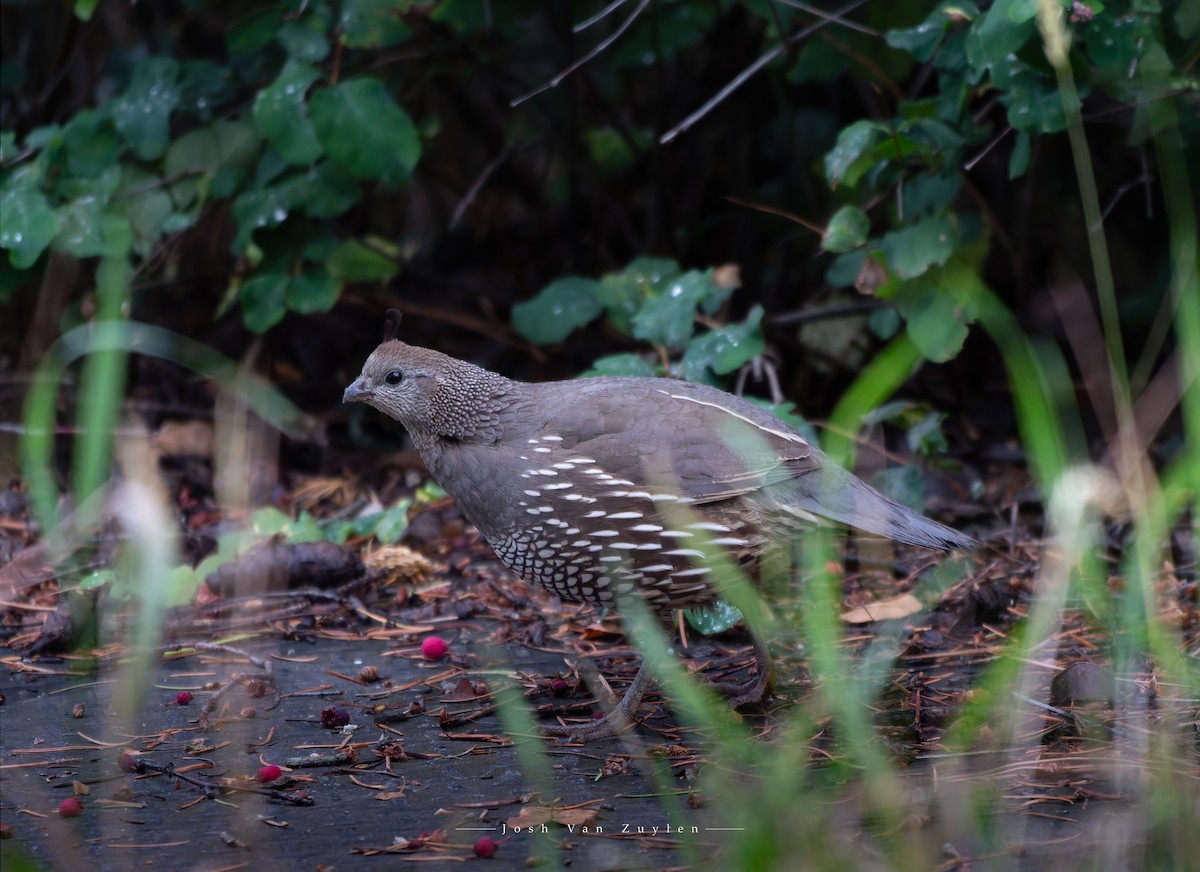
x,y
535,815
885,610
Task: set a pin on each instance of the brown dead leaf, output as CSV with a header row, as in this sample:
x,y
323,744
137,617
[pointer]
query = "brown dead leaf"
x,y
398,563
885,610
394,794
464,691
727,276
535,815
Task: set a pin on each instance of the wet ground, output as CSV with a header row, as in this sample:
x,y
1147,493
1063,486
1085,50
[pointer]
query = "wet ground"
x,y
448,781
391,757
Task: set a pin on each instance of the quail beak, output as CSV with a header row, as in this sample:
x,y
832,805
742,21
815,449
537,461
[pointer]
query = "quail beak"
x,y
358,392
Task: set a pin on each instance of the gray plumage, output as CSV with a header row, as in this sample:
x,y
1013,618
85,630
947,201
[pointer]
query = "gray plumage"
x,y
600,487
604,487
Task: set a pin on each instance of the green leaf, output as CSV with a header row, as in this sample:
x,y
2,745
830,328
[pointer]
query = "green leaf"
x,y
81,228
258,210
931,193
845,269
388,526
608,151
212,161
939,306
304,40
716,618
668,319
372,24
885,322
104,185
725,349
41,137
267,522
1033,102
282,115
204,86
355,262
193,154
99,578
92,143
818,61
921,41
996,35
851,155
848,229
313,291
1187,19
143,113
145,204
327,191
182,582
361,127
622,293
84,9
631,365
239,145
912,250
28,227
392,523
251,34
264,301
926,436
556,311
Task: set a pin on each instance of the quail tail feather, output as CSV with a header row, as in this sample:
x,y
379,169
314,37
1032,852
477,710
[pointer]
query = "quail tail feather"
x,y
834,494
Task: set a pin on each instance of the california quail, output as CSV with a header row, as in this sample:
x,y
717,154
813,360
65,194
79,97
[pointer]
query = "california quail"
x,y
578,485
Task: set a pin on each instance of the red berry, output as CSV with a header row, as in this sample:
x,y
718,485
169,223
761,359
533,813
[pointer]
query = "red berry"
x,y
434,647
334,716
183,697
485,847
70,807
559,687
269,773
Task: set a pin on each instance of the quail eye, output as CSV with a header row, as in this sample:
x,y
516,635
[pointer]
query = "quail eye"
x,y
394,377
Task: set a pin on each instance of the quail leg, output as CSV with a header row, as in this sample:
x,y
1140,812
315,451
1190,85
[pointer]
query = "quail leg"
x,y
754,689
616,721
622,718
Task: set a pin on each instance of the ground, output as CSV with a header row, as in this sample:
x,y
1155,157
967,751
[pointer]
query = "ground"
x,y
387,748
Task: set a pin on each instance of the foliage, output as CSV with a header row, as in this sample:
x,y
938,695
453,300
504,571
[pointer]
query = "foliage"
x,y
182,137
287,138
653,300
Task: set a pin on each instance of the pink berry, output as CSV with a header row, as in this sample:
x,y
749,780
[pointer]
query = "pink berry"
x,y
485,847
334,716
184,697
269,773
434,647
70,807
127,760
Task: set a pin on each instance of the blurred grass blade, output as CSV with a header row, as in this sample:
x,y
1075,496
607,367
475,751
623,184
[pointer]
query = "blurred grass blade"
x,y
120,337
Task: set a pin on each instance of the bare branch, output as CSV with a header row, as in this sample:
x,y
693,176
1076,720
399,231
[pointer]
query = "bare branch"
x,y
599,16
745,75
600,47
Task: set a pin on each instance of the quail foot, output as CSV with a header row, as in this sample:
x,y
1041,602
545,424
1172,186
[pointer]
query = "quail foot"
x,y
605,488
